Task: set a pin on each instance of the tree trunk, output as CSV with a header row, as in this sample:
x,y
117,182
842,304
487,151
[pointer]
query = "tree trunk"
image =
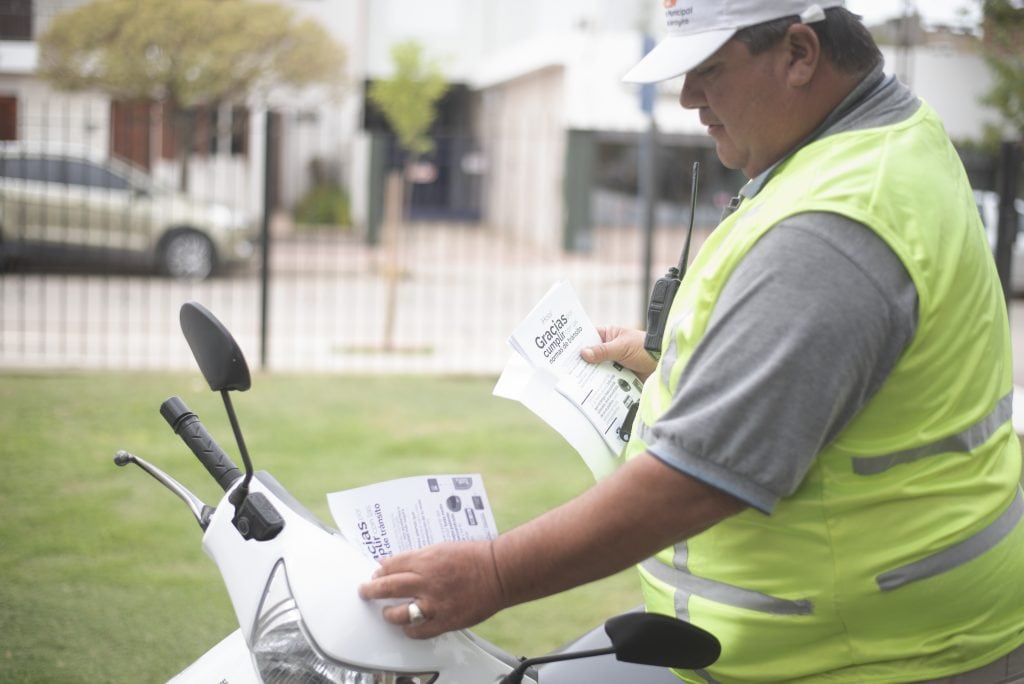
x,y
393,215
183,130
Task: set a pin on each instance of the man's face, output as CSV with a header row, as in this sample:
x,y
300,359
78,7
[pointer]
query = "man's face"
x,y
742,99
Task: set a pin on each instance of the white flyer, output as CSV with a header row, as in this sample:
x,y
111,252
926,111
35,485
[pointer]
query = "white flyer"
x,y
390,517
535,389
550,339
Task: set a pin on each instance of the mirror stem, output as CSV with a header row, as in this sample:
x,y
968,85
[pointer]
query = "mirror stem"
x,y
516,675
242,490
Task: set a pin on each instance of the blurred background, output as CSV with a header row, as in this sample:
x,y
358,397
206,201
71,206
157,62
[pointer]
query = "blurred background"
x,y
155,152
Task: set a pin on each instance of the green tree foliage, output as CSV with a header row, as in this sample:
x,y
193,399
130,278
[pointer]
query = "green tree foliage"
x,y
186,52
1003,48
409,98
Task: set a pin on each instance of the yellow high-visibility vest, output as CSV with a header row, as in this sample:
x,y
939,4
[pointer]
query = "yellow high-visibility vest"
x,y
901,555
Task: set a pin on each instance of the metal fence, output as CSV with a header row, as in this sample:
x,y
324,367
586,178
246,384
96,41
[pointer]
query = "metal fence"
x,y
428,293
334,303
433,287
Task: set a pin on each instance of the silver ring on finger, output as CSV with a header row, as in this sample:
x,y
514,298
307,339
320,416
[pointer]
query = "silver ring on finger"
x,y
416,615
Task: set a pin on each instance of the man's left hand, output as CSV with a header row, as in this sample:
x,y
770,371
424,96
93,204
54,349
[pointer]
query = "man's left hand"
x,y
454,584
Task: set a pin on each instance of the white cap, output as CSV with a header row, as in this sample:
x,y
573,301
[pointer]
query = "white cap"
x,y
697,28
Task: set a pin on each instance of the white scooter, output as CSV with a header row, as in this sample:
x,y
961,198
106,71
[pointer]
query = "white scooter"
x,y
292,581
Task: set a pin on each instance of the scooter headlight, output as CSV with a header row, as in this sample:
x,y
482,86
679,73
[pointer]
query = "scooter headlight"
x,y
285,652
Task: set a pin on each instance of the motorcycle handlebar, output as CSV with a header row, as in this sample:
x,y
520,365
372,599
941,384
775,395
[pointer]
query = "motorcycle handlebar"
x,y
187,426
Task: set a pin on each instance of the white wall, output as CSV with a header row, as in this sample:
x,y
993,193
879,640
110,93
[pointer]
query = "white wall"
x,y
523,136
44,114
952,83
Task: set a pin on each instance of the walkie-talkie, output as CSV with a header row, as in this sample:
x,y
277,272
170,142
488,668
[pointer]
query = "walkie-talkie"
x,y
664,290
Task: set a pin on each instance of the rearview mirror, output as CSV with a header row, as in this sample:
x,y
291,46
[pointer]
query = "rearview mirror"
x,y
219,357
655,639
643,638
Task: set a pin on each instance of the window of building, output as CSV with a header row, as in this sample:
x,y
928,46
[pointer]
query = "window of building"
x,y
130,125
8,118
210,131
240,131
15,19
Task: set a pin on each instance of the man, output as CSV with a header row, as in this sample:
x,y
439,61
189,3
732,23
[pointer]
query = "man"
x,y
823,471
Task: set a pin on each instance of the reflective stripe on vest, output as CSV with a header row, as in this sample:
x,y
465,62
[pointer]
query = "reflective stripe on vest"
x,y
689,585
958,554
966,440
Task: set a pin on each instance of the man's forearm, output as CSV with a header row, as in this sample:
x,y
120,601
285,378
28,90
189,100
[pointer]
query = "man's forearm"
x,y
641,509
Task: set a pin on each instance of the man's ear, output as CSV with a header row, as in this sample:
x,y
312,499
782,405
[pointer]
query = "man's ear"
x,y
804,51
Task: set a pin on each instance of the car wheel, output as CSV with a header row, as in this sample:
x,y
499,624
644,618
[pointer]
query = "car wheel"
x,y
187,254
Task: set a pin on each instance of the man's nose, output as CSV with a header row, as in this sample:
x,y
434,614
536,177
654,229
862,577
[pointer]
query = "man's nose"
x,y
691,96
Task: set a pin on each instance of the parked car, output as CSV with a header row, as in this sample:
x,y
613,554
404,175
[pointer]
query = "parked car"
x,y
61,203
988,206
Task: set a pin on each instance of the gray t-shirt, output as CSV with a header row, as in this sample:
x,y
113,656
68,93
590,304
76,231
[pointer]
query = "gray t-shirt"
x,y
805,331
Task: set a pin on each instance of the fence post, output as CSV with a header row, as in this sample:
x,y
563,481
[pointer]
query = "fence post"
x,y
1009,167
647,180
647,175
270,154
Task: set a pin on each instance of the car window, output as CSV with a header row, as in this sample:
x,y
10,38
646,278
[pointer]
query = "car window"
x,y
57,170
93,176
30,169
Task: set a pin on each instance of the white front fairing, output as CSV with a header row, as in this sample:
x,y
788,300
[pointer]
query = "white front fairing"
x,y
323,572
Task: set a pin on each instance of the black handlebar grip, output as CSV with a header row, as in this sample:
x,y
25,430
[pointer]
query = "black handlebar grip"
x,y
187,426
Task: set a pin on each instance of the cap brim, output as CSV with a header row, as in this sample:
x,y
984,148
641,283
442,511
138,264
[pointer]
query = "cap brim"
x,y
675,55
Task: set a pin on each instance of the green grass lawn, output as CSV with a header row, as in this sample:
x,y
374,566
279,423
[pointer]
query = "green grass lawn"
x,y
102,578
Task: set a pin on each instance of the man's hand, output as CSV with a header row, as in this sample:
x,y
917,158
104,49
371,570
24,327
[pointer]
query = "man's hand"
x,y
455,585
642,507
624,346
